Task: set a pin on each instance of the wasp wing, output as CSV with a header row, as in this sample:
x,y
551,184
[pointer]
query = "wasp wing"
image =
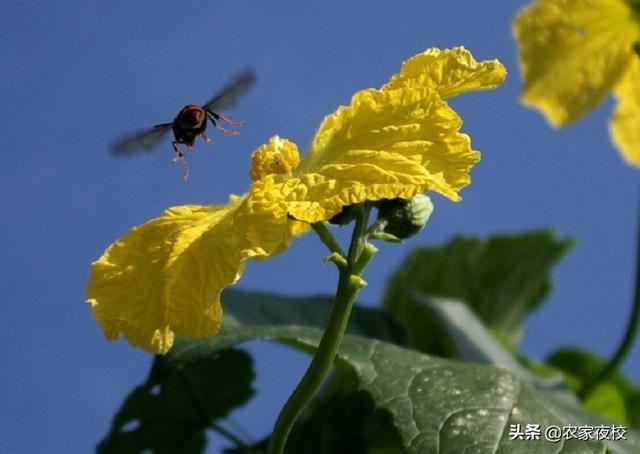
x,y
234,89
144,140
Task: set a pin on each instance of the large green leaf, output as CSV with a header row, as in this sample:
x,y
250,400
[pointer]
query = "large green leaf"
x,y
436,405
260,308
501,279
474,343
616,399
171,411
343,418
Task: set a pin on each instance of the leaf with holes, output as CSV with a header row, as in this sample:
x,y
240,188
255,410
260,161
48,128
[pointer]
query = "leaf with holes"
x,y
173,409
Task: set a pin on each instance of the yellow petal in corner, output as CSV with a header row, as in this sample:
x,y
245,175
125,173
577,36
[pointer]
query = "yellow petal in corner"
x,y
572,53
624,125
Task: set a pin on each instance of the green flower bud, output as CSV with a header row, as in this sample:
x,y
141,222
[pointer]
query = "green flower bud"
x,y
405,218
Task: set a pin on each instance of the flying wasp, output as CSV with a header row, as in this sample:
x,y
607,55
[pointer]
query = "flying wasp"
x,y
191,122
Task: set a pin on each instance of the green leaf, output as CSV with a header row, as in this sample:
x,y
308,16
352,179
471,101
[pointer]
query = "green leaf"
x,y
172,410
616,398
436,405
474,343
502,279
340,418
261,308
345,419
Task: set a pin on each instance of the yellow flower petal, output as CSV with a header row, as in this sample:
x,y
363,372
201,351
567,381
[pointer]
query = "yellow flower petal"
x,y
386,144
449,72
572,52
625,122
164,278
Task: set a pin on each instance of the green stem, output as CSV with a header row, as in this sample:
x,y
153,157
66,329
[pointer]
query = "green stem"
x,y
377,226
348,287
327,238
629,336
359,237
228,435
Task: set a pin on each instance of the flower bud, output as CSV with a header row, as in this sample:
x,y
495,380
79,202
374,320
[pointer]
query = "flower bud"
x,y
405,218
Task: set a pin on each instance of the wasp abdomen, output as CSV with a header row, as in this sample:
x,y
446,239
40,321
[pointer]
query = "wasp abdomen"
x,y
191,117
190,122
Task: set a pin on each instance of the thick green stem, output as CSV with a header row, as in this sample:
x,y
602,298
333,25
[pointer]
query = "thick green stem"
x,y
629,335
348,287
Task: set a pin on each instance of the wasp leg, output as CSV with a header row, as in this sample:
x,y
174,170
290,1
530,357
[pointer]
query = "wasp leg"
x,y
213,117
222,118
237,124
179,156
205,137
226,132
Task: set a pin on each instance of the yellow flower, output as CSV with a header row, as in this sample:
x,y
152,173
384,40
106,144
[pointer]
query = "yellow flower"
x,y
164,278
573,53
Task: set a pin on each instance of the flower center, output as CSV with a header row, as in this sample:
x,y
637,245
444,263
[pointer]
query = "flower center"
x,y
278,156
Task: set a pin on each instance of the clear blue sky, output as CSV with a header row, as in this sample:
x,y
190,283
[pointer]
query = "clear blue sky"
x,y
75,75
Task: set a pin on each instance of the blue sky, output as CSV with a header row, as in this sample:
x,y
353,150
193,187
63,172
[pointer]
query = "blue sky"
x,y
76,75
